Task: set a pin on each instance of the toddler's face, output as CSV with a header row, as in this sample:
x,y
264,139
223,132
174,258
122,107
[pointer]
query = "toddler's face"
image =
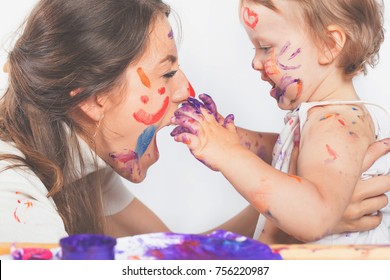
x,y
154,86
285,54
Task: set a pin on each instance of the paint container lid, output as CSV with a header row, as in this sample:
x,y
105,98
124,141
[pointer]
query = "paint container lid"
x,y
88,247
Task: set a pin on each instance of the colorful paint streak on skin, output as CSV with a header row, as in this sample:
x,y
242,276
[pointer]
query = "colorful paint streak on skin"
x,y
151,118
328,117
273,67
282,52
332,153
262,152
128,161
124,157
354,135
161,91
144,99
341,122
191,90
251,18
337,116
297,178
144,78
299,91
270,65
144,140
286,82
170,34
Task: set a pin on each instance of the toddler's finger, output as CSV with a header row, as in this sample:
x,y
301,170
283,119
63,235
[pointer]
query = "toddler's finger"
x,y
189,111
200,107
229,120
179,130
187,122
210,104
196,103
187,138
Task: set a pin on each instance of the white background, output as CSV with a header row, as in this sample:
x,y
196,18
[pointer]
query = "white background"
x,y
216,57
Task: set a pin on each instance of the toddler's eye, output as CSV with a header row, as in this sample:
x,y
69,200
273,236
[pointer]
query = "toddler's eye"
x,y
265,48
170,74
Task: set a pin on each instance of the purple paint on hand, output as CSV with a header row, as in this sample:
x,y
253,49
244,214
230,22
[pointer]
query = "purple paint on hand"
x,y
228,120
179,130
186,108
196,103
210,104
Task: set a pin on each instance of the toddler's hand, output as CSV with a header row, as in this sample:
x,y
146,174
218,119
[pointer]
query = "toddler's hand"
x,y
205,132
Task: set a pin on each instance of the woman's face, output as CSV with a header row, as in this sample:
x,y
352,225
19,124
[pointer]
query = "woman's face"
x,y
153,87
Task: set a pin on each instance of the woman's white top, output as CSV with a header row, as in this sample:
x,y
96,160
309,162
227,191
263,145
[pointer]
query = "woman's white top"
x,y
28,215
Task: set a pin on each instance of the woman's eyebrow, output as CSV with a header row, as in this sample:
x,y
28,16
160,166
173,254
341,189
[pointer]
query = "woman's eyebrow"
x,y
170,58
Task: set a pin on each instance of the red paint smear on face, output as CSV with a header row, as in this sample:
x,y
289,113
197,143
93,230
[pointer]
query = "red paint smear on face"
x,y
270,65
331,152
147,118
191,90
299,88
251,18
144,99
124,158
161,91
144,79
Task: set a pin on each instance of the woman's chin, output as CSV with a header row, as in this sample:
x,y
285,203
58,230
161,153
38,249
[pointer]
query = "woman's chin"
x,y
138,171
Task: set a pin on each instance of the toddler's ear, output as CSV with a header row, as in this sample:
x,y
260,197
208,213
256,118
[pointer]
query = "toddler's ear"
x,y
333,46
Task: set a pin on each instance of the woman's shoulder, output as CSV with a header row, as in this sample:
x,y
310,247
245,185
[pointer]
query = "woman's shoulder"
x,y
9,148
18,179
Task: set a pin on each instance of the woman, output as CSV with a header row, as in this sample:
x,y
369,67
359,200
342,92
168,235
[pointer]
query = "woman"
x,y
90,84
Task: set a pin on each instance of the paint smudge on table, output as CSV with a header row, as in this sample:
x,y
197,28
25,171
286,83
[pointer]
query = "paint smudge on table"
x,y
219,245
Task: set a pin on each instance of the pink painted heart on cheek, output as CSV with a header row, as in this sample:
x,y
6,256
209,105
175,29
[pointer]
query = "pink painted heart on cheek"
x,y
251,18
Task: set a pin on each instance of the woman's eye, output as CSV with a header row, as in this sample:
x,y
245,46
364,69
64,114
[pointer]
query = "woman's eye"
x,y
170,74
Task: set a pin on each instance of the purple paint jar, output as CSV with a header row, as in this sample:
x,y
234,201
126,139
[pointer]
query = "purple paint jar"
x,y
88,247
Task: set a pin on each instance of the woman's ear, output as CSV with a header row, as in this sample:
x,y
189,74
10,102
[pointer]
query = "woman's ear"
x,y
92,107
333,46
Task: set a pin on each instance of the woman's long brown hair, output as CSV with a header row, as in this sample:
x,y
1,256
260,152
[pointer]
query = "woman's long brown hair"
x,y
67,45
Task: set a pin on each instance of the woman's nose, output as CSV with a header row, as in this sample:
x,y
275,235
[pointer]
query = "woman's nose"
x,y
182,89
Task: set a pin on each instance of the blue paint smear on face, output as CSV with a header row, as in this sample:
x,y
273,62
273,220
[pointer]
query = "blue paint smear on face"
x,y
144,140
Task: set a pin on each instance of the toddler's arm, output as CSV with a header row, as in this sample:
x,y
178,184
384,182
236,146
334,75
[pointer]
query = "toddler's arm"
x,y
307,206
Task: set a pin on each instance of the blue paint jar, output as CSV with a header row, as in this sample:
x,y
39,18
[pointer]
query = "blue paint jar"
x,y
88,247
